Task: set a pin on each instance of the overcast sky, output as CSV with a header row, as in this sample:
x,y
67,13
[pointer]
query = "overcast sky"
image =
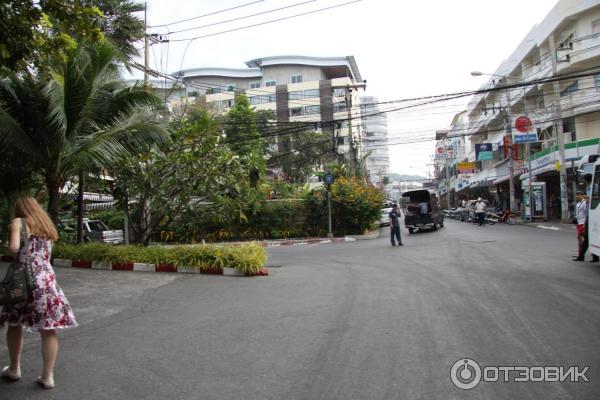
x,y
404,49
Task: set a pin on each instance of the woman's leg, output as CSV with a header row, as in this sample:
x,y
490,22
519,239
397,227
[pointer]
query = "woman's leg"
x,y
49,352
14,342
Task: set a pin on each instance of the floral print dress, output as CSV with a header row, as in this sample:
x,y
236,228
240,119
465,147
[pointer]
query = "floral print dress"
x,y
47,307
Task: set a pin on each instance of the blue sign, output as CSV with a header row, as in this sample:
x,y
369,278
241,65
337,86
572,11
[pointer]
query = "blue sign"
x,y
483,151
328,178
531,137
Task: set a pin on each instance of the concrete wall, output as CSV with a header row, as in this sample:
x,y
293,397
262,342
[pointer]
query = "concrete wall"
x,y
587,126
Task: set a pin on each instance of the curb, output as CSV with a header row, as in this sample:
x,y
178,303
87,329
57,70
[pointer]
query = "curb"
x,y
299,242
139,267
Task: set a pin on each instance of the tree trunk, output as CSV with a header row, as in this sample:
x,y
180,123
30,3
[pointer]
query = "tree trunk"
x,y
80,204
145,222
53,199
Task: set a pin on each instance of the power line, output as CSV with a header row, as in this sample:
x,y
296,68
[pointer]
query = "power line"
x,y
209,14
265,22
243,17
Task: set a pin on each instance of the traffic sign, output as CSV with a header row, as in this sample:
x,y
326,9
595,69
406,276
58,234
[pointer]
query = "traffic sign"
x,y
328,178
523,124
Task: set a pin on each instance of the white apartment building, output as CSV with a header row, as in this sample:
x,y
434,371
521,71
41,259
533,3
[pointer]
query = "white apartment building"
x,y
566,42
319,90
375,141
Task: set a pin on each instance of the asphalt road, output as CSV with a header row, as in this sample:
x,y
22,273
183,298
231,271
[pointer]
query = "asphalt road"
x,y
359,320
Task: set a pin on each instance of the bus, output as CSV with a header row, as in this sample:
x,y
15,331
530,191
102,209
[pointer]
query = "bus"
x,y
589,166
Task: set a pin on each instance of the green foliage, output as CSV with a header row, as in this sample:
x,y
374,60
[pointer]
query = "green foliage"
x,y
355,206
79,115
193,171
302,154
248,258
38,32
112,218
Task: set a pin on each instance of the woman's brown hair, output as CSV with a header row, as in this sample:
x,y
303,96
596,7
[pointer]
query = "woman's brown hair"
x,y
38,221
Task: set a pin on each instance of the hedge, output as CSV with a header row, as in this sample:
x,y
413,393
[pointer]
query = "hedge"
x,y
246,258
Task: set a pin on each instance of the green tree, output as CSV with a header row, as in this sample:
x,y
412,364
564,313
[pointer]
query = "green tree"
x,y
308,151
194,171
76,115
34,32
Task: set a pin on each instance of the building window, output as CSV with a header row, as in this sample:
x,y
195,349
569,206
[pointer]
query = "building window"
x,y
596,28
312,110
227,103
296,78
569,90
339,92
311,93
296,112
271,83
597,80
295,95
254,85
230,88
338,107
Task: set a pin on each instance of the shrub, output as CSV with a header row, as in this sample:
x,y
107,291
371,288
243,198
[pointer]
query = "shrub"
x,y
248,258
354,207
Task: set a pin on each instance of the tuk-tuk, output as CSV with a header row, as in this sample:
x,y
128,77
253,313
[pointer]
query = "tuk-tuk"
x,y
421,210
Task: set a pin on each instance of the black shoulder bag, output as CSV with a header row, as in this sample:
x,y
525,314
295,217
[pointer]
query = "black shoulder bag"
x,y
17,284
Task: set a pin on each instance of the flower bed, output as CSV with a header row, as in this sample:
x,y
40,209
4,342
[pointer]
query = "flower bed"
x,y
248,259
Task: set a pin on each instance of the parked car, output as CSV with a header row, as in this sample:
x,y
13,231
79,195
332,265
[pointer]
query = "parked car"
x,y
421,211
96,231
385,217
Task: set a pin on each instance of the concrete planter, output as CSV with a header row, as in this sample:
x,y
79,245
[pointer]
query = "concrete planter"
x,y
60,262
142,267
122,267
188,270
232,272
166,268
103,265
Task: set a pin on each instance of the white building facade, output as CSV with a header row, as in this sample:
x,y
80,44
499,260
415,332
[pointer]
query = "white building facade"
x,y
321,91
375,141
564,47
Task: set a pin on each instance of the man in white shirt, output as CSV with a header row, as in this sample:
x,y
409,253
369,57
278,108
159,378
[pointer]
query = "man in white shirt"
x,y
581,212
480,211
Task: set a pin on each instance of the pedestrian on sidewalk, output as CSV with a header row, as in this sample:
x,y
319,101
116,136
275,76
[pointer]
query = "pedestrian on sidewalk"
x,y
480,211
581,211
395,225
47,308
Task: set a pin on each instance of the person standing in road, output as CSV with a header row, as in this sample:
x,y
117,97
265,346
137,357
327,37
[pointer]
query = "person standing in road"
x,y
395,225
47,308
480,211
581,211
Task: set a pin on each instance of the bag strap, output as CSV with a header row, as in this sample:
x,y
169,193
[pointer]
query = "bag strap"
x,y
24,237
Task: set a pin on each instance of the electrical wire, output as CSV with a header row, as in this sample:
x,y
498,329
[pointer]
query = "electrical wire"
x,y
242,17
265,22
207,15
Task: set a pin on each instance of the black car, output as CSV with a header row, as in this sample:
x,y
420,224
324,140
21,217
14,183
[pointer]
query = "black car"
x,y
421,211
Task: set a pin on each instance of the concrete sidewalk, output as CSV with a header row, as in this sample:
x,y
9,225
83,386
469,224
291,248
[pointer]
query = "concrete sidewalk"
x,y
551,225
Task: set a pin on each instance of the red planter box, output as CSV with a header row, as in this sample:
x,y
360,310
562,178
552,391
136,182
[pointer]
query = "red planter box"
x,y
122,267
212,271
262,272
81,264
166,268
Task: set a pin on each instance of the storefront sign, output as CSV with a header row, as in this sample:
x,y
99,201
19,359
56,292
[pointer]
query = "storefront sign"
x,y
483,151
466,167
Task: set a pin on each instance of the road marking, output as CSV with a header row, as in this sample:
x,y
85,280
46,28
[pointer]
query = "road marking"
x,y
553,228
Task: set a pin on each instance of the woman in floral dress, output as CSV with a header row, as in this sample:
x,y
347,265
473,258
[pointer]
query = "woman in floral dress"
x,y
47,308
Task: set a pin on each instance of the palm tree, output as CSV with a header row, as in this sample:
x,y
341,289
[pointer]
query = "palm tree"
x,y
76,115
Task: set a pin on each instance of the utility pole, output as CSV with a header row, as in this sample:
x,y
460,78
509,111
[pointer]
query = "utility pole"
x,y
146,47
353,157
529,172
511,167
564,201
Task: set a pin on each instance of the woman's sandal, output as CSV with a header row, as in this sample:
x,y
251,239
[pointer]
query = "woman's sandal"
x,y
45,383
11,375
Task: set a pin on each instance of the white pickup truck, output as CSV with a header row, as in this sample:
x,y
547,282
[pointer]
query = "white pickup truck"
x,y
96,231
